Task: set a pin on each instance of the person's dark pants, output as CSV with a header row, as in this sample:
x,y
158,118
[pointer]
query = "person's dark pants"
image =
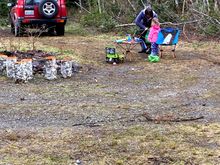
x,y
142,36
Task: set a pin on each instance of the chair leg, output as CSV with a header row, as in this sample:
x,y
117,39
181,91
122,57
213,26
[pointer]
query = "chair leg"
x,y
174,53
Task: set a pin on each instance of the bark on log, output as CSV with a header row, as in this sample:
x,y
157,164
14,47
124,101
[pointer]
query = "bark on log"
x,y
10,66
3,59
50,68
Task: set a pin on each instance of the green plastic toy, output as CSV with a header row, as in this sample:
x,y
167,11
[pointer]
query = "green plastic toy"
x,y
112,56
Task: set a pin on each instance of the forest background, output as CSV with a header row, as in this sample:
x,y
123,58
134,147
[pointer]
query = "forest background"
x,y
200,17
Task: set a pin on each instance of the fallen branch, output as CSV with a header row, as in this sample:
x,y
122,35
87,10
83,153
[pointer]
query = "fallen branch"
x,y
124,25
170,118
164,23
182,23
147,117
214,61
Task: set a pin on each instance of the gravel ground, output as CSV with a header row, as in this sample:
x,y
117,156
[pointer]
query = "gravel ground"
x,y
103,95
111,92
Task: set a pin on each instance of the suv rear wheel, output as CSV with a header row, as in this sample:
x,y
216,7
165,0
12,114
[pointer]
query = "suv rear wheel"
x,y
48,8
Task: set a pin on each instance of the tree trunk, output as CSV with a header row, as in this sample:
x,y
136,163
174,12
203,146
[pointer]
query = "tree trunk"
x,y
132,6
103,5
99,6
183,8
216,5
208,6
80,3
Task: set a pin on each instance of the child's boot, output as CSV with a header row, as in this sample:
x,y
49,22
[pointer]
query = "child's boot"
x,y
153,58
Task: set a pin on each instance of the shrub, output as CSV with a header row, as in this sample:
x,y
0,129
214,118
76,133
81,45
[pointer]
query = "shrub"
x,y
3,8
103,22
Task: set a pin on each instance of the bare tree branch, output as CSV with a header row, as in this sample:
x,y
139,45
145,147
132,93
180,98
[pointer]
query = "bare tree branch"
x,y
217,21
132,6
82,7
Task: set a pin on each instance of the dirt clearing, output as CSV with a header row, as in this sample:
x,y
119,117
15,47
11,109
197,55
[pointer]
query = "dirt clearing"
x,y
99,115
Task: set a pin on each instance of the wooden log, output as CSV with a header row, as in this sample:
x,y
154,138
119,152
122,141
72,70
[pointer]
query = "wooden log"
x,y
66,68
10,66
20,76
50,68
3,59
28,67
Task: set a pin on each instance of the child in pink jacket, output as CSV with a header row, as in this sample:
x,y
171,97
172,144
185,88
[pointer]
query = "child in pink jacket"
x,y
152,37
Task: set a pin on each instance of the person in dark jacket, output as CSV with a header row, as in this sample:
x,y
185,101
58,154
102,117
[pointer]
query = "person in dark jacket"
x,y
143,21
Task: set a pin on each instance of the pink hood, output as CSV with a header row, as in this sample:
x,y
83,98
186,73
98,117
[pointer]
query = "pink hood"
x,y
153,34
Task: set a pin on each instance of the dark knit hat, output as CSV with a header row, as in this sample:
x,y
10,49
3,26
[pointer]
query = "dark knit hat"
x,y
149,11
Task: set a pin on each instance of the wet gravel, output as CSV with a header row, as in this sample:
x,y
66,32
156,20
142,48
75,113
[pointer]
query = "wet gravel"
x,y
104,94
113,93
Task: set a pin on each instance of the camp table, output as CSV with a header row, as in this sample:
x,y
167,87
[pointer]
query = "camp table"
x,y
127,46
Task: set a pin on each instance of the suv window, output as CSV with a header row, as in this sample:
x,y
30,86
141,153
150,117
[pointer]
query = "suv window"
x,y
31,2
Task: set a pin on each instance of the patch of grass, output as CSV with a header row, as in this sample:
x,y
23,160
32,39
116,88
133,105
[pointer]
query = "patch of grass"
x,y
174,143
76,29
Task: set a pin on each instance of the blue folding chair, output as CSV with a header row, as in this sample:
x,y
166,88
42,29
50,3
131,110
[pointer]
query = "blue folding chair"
x,y
168,37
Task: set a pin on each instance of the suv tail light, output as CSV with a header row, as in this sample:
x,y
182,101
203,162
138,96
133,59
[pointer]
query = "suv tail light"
x,y
20,10
61,21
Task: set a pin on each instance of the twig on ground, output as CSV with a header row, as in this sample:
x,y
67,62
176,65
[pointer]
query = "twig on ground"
x,y
156,119
170,118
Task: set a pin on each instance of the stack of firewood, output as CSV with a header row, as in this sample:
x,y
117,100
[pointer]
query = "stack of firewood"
x,y
22,69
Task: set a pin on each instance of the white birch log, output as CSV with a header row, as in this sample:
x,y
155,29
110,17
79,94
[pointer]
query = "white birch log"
x,y
66,68
28,68
3,59
50,68
20,72
10,66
